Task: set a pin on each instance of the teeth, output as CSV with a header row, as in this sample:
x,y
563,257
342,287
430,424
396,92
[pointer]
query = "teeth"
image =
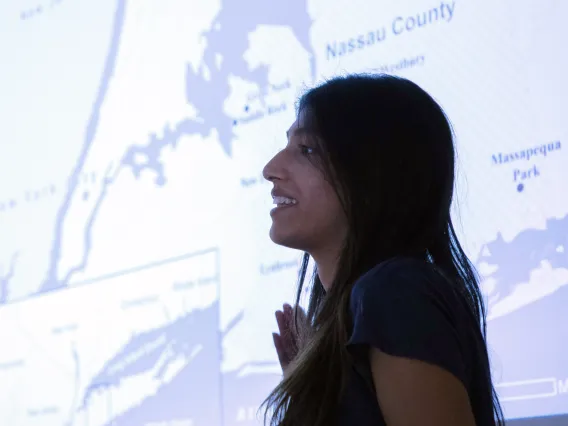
x,y
284,200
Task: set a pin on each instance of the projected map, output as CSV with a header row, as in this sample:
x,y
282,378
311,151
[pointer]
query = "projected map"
x,y
137,279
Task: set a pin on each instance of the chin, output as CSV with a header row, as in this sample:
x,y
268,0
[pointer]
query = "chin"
x,y
285,239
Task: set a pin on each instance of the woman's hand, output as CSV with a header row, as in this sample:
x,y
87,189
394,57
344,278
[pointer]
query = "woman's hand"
x,y
286,341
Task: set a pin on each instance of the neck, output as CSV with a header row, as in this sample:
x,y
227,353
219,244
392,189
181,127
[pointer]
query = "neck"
x,y
326,262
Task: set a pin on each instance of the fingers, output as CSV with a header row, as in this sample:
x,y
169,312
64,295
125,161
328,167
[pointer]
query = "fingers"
x,y
282,322
288,314
291,324
280,351
301,315
284,341
285,320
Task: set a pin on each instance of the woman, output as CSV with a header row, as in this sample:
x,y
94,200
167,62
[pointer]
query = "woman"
x,y
396,324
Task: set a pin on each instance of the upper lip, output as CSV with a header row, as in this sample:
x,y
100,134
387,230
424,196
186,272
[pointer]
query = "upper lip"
x,y
277,192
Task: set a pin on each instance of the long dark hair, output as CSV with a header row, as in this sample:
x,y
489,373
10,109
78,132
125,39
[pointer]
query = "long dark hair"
x,y
387,148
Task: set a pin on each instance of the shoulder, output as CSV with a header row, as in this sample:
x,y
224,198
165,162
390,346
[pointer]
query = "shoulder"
x,y
403,278
407,308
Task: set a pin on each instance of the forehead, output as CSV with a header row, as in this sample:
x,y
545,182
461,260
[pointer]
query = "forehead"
x,y
301,125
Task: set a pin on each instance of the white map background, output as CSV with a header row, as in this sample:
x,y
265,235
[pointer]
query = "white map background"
x,y
137,280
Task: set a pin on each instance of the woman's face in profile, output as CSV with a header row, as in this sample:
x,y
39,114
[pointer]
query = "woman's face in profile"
x,y
307,214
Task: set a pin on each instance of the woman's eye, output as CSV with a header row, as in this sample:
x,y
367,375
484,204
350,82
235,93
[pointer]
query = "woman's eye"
x,y
306,150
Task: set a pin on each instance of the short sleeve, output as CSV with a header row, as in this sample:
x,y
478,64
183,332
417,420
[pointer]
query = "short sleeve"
x,y
406,308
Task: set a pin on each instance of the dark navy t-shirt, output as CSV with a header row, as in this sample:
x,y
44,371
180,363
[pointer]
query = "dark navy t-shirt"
x,y
406,307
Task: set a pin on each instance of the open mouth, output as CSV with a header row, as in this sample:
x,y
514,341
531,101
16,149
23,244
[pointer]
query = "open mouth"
x,y
283,202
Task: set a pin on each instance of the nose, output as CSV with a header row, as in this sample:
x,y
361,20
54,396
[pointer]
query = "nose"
x,y
274,169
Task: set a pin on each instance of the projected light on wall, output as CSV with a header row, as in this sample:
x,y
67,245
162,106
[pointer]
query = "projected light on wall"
x,y
137,279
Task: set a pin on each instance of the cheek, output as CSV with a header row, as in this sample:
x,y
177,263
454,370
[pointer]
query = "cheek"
x,y
325,209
